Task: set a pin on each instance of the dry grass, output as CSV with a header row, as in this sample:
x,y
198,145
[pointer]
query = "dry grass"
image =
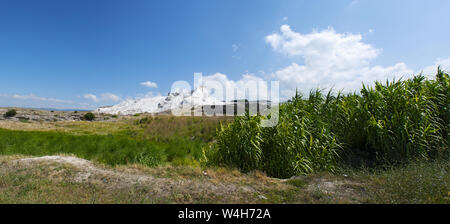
x,y
56,182
74,127
41,181
163,128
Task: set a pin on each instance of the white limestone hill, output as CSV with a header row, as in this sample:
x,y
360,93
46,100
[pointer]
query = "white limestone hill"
x,y
178,99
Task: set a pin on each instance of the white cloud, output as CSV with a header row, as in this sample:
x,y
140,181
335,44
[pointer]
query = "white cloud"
x,y
325,48
38,98
431,70
149,84
248,87
110,97
90,97
305,78
330,60
285,18
103,97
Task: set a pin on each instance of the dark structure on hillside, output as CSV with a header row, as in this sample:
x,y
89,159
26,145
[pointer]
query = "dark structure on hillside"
x,y
237,108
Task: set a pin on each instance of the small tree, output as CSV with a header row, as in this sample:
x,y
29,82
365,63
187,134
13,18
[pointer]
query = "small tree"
x,y
11,113
89,116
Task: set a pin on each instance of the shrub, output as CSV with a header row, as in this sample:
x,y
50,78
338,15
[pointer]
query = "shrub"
x,y
401,121
11,113
238,144
398,121
24,119
89,116
391,123
299,144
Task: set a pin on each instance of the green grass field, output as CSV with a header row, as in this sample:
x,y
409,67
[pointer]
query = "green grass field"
x,y
112,149
150,141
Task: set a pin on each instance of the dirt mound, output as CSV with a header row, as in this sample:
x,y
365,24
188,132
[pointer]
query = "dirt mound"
x,y
80,163
85,171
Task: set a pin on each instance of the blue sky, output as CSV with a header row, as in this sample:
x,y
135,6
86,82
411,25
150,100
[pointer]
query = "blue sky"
x,y
84,54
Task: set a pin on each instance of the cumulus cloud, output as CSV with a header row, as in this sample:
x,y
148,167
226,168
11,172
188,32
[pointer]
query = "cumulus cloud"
x,y
110,97
330,59
90,97
149,84
431,70
103,97
320,59
325,48
248,87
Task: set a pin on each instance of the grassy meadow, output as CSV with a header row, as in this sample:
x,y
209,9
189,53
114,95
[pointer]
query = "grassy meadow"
x,y
148,140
